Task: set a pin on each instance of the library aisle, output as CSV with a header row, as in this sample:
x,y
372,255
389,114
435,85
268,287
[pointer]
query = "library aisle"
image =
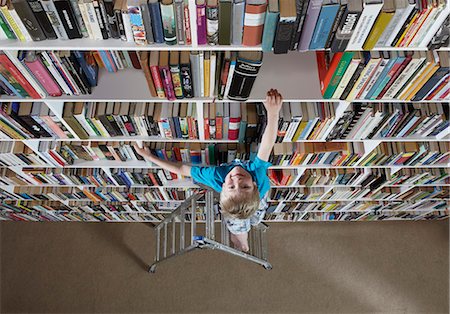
x,y
347,267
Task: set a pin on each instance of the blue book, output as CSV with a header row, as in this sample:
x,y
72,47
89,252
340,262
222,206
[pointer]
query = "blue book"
x,y
155,16
385,71
305,130
385,79
270,27
105,60
242,128
323,26
90,71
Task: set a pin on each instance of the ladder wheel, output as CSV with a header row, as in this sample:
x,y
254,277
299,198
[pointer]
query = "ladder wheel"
x,y
267,267
152,269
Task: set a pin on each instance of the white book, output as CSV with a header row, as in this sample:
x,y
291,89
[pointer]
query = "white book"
x,y
373,79
406,74
364,26
127,26
399,18
423,71
230,78
346,78
370,68
201,61
362,120
375,121
212,74
20,25
90,19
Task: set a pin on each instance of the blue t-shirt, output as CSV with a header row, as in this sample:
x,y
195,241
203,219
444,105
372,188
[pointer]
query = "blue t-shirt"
x,y
214,177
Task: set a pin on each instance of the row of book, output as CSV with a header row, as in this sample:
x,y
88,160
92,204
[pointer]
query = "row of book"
x,y
18,154
140,21
335,154
55,211
391,75
30,120
287,25
40,74
171,121
178,75
278,25
378,121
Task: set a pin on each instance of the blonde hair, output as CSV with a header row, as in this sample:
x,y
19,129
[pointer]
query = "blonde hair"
x,y
241,206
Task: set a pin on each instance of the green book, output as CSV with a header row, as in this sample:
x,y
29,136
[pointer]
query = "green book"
x,y
6,29
338,74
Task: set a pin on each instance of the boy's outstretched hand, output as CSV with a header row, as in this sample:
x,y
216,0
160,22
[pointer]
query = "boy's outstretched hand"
x,y
144,152
273,101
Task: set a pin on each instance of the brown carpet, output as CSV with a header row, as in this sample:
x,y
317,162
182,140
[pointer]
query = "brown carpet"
x,y
356,267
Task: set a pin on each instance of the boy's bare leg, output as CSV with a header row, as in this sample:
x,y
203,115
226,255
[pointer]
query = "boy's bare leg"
x,y
240,241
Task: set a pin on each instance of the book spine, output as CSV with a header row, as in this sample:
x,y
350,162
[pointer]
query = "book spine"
x,y
270,26
9,66
201,24
100,19
323,27
145,11
253,24
167,82
54,19
42,18
12,23
168,22
67,18
29,20
154,70
310,22
176,80
212,25
157,27
186,80
187,24
127,26
179,17
137,25
79,18
40,73
6,28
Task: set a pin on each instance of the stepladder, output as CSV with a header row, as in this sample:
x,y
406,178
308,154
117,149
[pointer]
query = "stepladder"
x,y
194,225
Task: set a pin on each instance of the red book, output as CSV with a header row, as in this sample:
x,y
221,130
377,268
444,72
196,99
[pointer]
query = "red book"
x,y
167,82
206,127
177,152
156,76
219,127
152,177
325,79
56,158
233,128
4,60
253,24
40,72
445,94
187,26
395,76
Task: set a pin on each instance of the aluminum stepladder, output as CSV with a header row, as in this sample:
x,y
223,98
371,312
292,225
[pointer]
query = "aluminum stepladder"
x,y
174,226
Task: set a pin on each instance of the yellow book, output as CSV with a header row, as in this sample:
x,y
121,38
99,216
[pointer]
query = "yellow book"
x,y
416,16
377,30
299,131
10,131
12,23
99,126
422,82
206,74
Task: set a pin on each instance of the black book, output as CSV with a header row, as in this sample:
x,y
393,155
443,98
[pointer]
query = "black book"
x,y
107,121
353,80
301,6
404,27
68,19
29,19
112,18
80,75
42,18
283,36
186,75
346,25
244,76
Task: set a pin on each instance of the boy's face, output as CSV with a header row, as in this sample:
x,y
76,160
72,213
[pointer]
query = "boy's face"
x,y
238,181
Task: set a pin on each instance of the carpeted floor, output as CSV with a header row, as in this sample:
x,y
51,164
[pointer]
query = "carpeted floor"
x,y
358,267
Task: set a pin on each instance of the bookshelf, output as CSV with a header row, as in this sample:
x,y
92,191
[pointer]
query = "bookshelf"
x,y
35,187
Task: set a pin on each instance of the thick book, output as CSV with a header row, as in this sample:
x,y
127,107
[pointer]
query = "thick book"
x,y
39,71
157,26
270,25
255,14
212,22
154,70
136,21
145,65
225,22
68,19
186,75
237,27
312,14
327,15
9,66
147,20
168,22
29,20
174,65
338,73
201,22
165,75
42,19
244,75
347,25
365,23
285,28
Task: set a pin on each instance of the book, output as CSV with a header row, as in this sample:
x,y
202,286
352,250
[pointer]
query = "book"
x,y
244,76
285,28
254,23
238,16
201,22
168,22
225,22
136,21
212,22
29,20
312,14
270,25
365,23
327,15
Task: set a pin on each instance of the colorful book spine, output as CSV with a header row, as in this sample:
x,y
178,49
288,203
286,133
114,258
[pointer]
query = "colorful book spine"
x,y
167,82
137,24
201,24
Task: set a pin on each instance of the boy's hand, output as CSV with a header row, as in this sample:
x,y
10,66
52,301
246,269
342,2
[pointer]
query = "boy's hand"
x,y
273,102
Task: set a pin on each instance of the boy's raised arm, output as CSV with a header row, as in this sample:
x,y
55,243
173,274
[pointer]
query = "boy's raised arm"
x,y
175,167
273,105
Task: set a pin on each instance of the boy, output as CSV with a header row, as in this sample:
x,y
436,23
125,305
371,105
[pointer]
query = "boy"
x,y
243,185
